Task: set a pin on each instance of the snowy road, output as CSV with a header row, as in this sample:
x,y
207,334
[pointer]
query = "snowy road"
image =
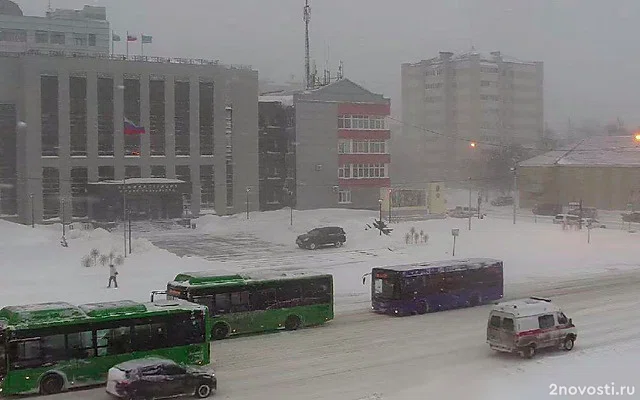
x,y
363,356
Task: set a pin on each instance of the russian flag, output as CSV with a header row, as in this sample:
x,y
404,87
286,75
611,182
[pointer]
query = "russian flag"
x,y
132,129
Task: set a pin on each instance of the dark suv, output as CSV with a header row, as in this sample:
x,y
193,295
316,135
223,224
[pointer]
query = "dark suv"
x,y
159,378
327,236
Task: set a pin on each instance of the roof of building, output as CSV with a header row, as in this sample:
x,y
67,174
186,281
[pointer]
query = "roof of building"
x,y
8,7
484,57
526,307
597,151
341,90
285,99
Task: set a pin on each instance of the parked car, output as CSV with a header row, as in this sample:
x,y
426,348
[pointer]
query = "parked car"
x,y
587,212
568,219
593,223
631,217
158,378
527,325
320,237
462,212
502,201
548,209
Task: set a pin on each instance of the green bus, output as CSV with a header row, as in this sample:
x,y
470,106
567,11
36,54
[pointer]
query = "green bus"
x,y
241,304
48,348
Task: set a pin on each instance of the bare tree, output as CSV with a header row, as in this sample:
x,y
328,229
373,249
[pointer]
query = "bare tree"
x,y
104,260
86,262
94,254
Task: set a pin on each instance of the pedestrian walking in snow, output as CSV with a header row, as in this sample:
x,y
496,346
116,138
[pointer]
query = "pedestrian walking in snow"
x,y
113,273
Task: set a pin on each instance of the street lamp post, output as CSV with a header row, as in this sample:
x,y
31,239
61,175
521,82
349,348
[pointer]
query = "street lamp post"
x,y
390,196
248,190
33,219
515,194
62,219
470,213
380,203
124,213
290,207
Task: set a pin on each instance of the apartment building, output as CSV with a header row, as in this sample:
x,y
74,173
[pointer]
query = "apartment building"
x,y
70,120
84,31
338,147
276,147
485,98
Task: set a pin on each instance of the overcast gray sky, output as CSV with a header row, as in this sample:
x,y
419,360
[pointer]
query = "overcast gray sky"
x,y
590,47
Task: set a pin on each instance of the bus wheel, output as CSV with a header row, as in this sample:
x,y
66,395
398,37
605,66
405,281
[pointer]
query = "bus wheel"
x,y
51,384
220,331
474,301
422,308
292,323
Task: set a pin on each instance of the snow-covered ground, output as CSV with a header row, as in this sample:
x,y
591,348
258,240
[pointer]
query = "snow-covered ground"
x,y
537,256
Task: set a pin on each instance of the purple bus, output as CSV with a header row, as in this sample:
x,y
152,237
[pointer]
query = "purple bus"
x,y
435,286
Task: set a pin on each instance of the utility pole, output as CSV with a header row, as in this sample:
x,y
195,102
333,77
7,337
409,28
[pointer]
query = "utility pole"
x,y
33,219
124,213
580,213
62,219
470,213
515,193
307,56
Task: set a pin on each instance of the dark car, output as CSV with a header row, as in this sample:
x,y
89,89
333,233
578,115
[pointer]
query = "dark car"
x,y
159,378
549,209
502,201
318,237
631,217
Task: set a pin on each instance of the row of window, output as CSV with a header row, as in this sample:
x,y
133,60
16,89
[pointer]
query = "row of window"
x,y
544,321
45,37
347,146
40,347
287,294
50,117
362,122
359,171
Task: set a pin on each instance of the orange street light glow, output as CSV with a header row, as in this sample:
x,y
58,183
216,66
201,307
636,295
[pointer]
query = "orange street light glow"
x,y
637,137
473,144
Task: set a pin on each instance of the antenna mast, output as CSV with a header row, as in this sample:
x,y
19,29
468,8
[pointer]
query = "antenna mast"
x,y
307,63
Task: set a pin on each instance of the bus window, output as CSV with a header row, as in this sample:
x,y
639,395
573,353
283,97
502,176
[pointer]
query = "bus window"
x,y
289,294
3,357
205,301
386,288
316,292
25,354
223,303
113,341
184,330
240,301
148,336
53,348
263,299
80,344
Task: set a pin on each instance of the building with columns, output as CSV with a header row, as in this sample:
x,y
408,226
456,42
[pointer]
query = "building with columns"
x,y
62,126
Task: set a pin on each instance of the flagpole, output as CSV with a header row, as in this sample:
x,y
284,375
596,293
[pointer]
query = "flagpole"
x,y
127,44
112,44
142,45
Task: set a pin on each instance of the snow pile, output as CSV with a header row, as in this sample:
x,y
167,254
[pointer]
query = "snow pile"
x,y
37,268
